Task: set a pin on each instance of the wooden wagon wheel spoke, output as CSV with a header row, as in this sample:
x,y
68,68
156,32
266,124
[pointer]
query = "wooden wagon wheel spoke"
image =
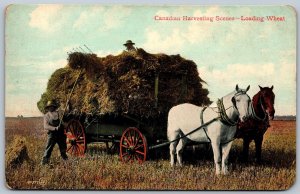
x,y
138,158
129,158
125,154
139,152
133,137
68,149
80,141
70,130
141,159
82,152
78,132
127,141
137,141
79,136
77,150
69,135
129,138
72,150
74,130
139,146
81,149
133,146
125,146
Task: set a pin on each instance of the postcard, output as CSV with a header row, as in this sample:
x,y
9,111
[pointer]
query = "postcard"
x,y
124,97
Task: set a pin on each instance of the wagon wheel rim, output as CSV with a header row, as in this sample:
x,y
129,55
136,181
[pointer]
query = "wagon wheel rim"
x,y
133,146
76,141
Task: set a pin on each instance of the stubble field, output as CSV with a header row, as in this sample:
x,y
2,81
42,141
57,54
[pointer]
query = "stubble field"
x,y
100,170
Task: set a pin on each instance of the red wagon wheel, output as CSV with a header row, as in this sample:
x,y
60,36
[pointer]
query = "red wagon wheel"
x,y
76,144
133,146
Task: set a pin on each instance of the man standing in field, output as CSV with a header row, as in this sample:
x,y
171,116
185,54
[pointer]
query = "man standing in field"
x,y
55,132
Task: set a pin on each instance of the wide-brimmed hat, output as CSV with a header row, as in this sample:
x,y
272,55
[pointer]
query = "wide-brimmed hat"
x,y
129,42
51,103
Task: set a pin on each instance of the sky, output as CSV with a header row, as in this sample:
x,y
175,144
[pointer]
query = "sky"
x,y
38,38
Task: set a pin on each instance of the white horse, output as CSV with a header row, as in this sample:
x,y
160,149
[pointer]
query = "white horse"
x,y
220,130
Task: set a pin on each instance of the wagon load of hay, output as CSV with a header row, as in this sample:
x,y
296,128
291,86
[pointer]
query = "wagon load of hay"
x,y
139,84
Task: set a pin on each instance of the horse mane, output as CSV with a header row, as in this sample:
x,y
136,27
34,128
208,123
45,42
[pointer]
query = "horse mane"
x,y
255,98
258,108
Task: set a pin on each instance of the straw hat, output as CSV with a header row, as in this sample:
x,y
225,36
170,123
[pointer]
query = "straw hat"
x,y
51,103
129,42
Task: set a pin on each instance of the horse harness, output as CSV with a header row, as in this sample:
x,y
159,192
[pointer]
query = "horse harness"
x,y
222,117
222,111
222,114
254,115
202,122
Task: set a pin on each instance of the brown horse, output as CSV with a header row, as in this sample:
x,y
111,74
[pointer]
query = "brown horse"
x,y
262,110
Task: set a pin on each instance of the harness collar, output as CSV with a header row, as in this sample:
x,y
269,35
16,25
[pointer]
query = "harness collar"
x,y
222,114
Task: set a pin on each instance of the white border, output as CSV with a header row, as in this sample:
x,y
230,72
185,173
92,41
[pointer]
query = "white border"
x,y
4,3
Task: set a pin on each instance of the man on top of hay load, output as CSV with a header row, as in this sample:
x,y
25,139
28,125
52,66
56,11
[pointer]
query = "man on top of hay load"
x,y
129,46
55,132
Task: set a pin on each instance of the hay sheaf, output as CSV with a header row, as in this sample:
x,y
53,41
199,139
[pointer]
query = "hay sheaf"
x,y
16,152
126,83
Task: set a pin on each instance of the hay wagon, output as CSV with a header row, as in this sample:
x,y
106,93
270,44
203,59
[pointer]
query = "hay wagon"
x,y
122,100
131,136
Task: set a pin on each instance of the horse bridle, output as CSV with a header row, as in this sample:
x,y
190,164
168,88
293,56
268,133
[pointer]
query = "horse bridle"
x,y
222,111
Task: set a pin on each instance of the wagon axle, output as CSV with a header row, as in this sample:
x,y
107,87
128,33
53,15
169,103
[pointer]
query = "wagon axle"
x,y
72,142
130,150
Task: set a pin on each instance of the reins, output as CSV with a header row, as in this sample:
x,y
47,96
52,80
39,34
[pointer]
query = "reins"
x,y
169,142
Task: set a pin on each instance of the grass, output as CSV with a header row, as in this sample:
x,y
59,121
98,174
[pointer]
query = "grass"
x,y
99,170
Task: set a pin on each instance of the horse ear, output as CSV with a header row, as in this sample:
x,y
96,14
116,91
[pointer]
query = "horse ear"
x,y
248,88
237,87
260,87
272,87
